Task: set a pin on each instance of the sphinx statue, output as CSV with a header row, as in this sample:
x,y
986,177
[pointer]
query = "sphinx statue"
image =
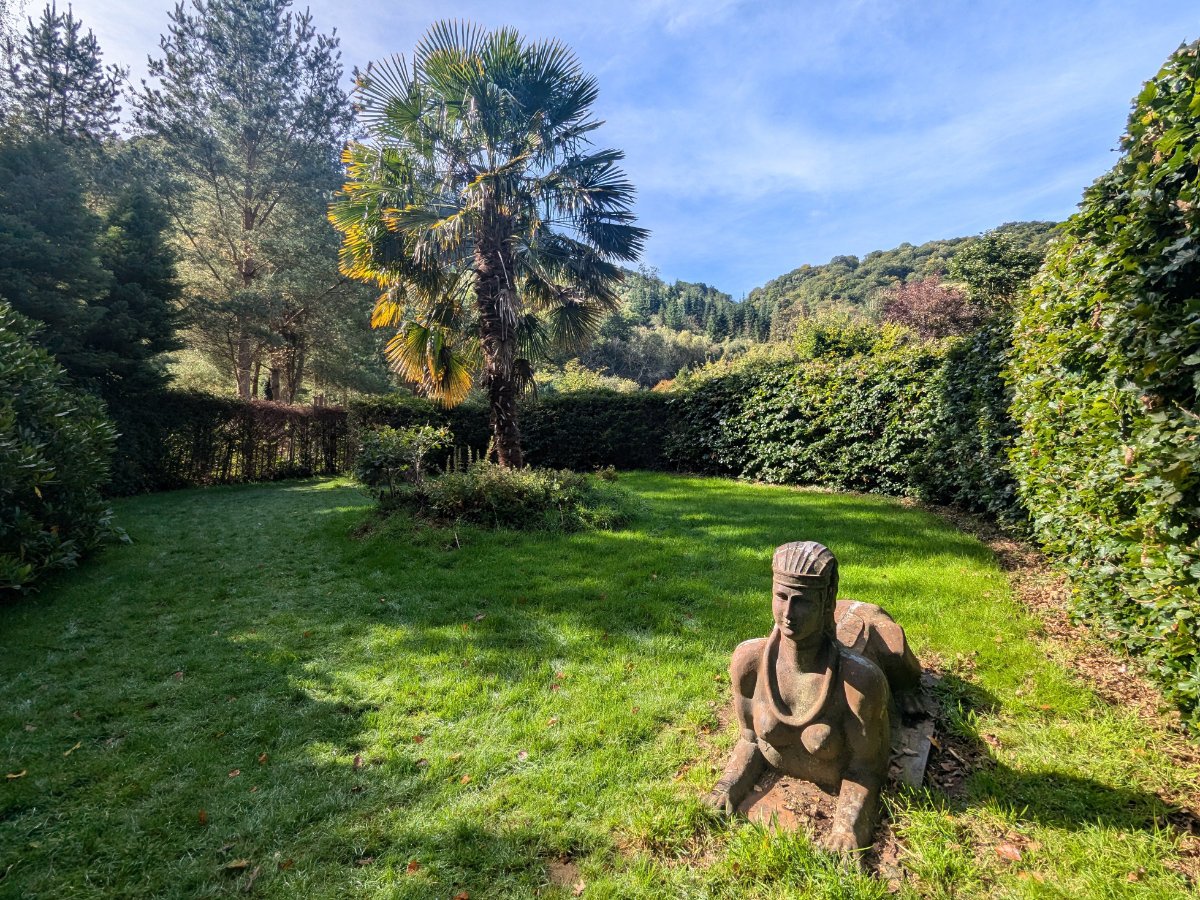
x,y
814,699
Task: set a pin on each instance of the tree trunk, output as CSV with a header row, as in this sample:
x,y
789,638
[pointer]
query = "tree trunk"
x,y
244,365
496,298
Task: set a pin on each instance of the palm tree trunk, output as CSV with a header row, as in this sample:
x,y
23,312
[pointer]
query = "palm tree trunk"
x,y
496,298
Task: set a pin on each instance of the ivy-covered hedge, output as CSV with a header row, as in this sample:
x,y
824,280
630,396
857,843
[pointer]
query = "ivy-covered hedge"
x,y
55,445
971,429
1107,388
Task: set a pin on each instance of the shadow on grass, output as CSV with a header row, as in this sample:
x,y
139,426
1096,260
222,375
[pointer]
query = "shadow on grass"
x,y
332,655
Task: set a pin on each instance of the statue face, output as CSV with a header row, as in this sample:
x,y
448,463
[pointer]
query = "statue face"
x,y
799,611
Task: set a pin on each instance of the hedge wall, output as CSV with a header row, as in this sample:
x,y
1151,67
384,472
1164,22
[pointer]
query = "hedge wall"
x,y
179,438
1108,388
858,422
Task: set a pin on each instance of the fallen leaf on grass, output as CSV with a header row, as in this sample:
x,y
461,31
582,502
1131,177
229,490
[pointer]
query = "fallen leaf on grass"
x,y
178,676
552,721
287,864
364,860
358,762
1136,875
13,776
29,726
522,755
1009,851
422,762
413,866
462,895
418,738
466,779
76,714
454,757
73,749
236,866
203,817
234,773
254,790
262,759
481,617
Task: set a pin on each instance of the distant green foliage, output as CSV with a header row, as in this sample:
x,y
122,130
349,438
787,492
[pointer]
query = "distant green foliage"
x,y
1106,387
524,499
55,446
390,458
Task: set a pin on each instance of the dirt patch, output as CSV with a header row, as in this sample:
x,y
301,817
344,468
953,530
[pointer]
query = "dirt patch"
x,y
564,873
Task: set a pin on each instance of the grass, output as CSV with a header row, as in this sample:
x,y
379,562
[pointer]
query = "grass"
x,y
256,697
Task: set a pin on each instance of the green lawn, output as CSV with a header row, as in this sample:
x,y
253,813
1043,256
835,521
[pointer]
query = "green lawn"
x,y
254,696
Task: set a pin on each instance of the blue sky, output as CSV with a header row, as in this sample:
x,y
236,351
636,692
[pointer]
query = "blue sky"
x,y
765,135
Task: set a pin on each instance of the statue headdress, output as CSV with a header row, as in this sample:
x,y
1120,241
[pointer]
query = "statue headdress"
x,y
807,563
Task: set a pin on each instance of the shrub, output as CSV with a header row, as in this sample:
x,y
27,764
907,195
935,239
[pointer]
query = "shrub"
x,y
531,499
1106,388
857,421
392,457
971,429
55,446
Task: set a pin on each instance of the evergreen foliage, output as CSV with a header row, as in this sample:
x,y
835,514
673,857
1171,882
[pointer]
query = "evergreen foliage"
x,y
50,266
55,446
248,115
1107,387
57,85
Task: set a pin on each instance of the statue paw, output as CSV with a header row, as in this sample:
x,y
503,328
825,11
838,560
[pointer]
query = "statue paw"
x,y
718,800
841,842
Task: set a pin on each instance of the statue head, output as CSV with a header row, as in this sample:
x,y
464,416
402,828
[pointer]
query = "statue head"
x,y
804,589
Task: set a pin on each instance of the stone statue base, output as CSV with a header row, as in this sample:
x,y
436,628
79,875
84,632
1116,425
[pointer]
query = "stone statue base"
x,y
792,804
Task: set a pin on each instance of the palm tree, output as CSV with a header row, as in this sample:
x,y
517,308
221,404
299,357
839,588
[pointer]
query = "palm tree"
x,y
480,207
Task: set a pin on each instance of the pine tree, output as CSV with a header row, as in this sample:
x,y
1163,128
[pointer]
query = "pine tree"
x,y
58,87
249,116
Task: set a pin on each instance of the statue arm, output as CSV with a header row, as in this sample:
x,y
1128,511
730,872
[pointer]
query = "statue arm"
x,y
746,762
868,740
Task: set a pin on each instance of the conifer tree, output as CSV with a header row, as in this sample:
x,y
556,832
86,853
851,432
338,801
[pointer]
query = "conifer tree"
x,y
248,114
58,86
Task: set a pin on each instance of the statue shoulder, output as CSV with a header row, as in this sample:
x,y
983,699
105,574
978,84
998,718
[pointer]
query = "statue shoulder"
x,y
862,675
743,667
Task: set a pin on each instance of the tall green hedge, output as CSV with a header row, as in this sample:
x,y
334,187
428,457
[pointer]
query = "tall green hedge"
x,y
55,445
1106,387
857,422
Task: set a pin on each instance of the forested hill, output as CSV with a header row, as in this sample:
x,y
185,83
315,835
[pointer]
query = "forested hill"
x,y
688,306
850,281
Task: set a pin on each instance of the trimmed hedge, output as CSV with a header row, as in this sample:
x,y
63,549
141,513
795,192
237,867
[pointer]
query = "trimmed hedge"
x,y
180,438
856,422
590,430
1107,388
55,445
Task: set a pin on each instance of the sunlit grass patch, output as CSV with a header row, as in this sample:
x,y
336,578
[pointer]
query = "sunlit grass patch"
x,y
482,703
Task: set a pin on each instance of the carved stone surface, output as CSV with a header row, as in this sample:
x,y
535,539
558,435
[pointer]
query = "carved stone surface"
x,y
813,701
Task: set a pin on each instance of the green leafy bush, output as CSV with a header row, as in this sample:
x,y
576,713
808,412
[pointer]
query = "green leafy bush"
x,y
529,499
971,429
390,458
1106,388
591,429
855,422
55,446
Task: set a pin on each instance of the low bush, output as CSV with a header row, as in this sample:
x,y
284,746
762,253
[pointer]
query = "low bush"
x,y
55,447
390,458
529,499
